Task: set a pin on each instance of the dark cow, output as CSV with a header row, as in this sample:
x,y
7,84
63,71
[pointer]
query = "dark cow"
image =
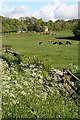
x,y
40,42
68,43
60,43
55,43
47,33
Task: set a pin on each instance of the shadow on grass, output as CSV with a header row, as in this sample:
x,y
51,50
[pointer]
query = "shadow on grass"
x,y
70,38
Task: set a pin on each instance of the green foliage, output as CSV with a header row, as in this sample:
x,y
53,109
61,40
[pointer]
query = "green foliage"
x,y
11,25
50,25
38,25
76,30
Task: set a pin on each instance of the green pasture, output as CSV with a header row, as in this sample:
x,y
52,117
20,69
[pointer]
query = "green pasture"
x,y
58,56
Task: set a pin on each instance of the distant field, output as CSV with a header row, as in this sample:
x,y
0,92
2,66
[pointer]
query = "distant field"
x,y
59,56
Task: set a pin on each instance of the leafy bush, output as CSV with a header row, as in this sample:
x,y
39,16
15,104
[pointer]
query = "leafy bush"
x,y
76,30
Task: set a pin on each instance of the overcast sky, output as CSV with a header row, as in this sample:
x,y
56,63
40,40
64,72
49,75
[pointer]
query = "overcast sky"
x,y
48,10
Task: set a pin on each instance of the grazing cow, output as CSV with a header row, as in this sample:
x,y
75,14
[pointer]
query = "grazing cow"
x,y
68,43
43,33
47,33
60,43
40,42
49,40
55,43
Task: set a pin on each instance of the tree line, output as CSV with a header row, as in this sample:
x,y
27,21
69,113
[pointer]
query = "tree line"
x,y
33,24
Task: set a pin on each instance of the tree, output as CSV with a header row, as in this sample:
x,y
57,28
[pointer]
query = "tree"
x,y
33,24
50,25
76,30
39,26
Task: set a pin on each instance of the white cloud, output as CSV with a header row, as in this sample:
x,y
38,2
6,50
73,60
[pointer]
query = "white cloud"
x,y
65,11
57,10
46,12
52,11
21,11
15,12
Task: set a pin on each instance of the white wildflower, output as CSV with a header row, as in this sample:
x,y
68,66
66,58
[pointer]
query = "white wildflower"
x,y
39,71
30,90
42,106
25,83
39,76
23,93
15,81
31,79
41,67
44,96
33,74
31,66
7,91
8,78
4,83
18,86
35,69
28,93
41,81
7,86
17,102
12,95
14,102
0,109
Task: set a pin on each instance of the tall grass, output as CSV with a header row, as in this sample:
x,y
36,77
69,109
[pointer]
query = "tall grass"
x,y
24,94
